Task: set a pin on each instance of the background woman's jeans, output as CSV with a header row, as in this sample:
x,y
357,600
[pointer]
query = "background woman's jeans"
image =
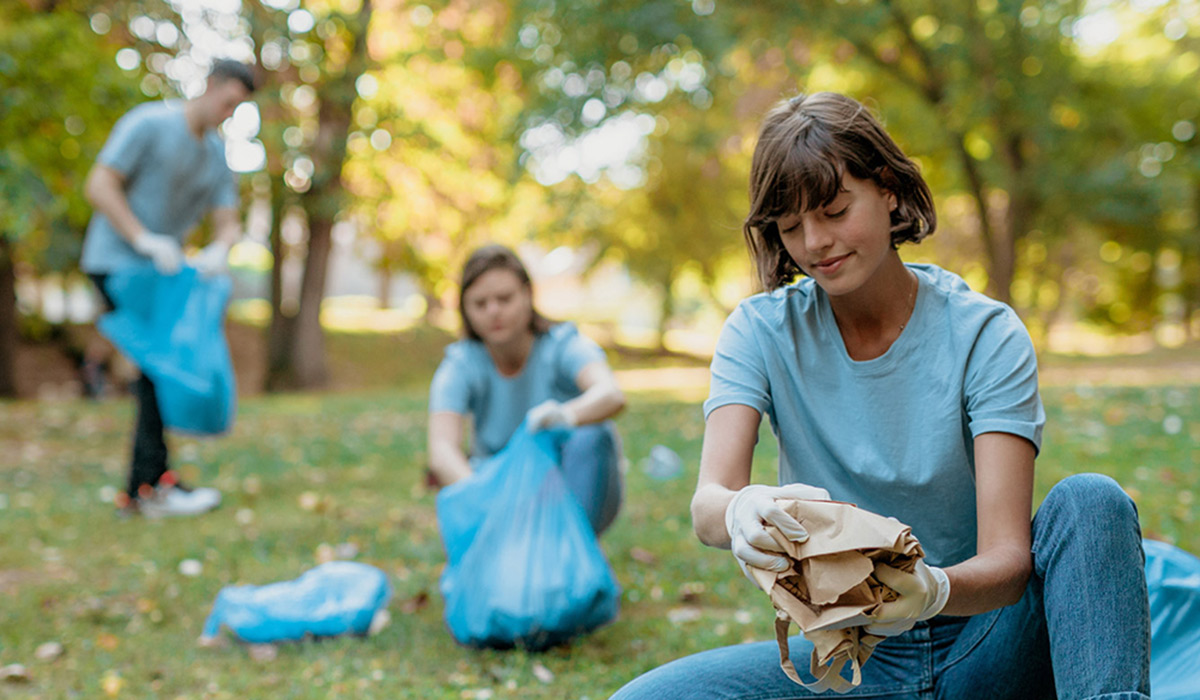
x,y
591,464
1082,629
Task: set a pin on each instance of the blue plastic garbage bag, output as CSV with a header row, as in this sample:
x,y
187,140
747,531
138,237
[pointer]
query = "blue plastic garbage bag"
x,y
1173,578
523,568
335,598
172,328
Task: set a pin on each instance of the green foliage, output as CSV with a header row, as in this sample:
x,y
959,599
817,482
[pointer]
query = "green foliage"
x,y
58,107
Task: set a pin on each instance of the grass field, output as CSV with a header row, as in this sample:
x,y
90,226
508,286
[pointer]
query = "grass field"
x,y
307,477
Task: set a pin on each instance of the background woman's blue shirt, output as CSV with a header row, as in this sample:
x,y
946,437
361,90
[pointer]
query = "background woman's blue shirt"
x,y
893,434
467,382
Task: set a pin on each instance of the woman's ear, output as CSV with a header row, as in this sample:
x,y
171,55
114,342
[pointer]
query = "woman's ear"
x,y
887,183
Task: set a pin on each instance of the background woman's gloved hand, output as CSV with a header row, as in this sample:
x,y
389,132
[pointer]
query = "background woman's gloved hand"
x,y
750,510
549,414
923,594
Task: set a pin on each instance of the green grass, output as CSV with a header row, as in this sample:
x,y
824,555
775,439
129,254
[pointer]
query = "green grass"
x,y
305,473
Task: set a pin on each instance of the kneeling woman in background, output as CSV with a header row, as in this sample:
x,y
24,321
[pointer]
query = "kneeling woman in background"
x,y
515,365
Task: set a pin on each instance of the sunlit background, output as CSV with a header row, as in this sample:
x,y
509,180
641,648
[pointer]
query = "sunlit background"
x,y
610,146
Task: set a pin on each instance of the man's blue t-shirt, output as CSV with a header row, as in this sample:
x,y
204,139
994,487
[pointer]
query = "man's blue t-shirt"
x,y
893,434
467,382
172,179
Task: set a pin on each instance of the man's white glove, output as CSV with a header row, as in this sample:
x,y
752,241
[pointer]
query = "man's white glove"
x,y
213,259
923,594
750,510
163,251
549,414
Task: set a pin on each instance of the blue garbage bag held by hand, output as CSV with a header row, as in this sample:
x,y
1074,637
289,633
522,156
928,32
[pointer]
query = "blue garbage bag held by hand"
x,y
524,568
335,598
172,328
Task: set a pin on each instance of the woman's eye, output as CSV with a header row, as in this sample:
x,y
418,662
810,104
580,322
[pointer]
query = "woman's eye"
x,y
837,214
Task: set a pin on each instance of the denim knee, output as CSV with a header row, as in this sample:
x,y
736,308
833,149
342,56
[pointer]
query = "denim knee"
x,y
1094,497
1089,510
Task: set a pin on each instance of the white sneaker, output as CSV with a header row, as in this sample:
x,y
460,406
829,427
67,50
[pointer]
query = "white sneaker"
x,y
169,501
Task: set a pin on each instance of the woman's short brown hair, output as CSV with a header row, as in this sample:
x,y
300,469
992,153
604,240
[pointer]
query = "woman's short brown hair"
x,y
495,257
805,146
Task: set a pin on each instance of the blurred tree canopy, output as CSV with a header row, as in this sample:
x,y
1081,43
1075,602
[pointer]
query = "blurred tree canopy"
x,y
1059,137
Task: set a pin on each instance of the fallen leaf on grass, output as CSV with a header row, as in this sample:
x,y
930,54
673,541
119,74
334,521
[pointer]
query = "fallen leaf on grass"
x,y
680,615
643,556
415,603
263,653
542,673
107,641
14,673
48,651
690,591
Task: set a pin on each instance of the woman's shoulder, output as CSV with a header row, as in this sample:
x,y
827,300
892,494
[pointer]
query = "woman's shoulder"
x,y
463,350
965,306
770,309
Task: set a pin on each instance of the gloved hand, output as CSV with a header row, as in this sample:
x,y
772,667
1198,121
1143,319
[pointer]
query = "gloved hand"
x,y
213,259
163,251
923,594
754,506
549,414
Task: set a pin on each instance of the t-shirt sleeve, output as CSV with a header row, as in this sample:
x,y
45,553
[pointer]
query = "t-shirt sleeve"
x,y
128,144
1002,381
451,386
739,374
577,351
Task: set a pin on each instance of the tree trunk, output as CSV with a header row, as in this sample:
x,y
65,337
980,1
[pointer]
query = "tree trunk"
x,y
666,309
308,340
298,356
8,321
280,333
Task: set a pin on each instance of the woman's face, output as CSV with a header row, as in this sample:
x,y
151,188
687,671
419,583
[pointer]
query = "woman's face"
x,y
842,245
499,306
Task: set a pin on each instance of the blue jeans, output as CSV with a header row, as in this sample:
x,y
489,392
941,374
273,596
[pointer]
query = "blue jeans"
x,y
591,465
1081,630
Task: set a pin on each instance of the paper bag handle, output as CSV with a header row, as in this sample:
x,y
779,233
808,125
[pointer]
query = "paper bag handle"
x,y
827,677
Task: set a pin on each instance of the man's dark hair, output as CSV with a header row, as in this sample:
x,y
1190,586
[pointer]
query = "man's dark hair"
x,y
229,69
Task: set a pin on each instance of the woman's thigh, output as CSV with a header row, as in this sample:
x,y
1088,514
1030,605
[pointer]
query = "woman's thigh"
x,y
1003,654
899,669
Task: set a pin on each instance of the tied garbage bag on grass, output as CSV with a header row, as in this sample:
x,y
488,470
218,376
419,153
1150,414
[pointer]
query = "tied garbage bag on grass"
x,y
830,590
523,568
172,328
1173,579
335,598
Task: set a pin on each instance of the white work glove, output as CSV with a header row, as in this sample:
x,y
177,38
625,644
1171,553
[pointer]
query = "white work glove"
x,y
213,259
923,594
549,414
750,510
163,251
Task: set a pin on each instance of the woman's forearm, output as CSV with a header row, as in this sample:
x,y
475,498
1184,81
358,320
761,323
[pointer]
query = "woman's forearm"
x,y
988,581
600,402
708,514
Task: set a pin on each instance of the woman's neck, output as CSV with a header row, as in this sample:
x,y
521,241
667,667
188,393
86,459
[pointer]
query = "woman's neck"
x,y
510,357
873,318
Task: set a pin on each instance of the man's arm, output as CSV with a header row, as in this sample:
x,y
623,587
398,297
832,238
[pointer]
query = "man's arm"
x,y
105,191
227,227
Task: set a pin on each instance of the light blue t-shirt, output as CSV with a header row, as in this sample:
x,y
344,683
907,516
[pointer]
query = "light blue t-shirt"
x,y
172,179
467,382
894,434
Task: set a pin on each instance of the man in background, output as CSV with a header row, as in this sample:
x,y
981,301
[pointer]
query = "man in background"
x,y
162,169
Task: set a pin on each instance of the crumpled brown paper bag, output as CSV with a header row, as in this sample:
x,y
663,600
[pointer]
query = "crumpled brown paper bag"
x,y
831,591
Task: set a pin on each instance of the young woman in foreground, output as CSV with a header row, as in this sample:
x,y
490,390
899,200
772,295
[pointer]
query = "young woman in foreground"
x,y
897,388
